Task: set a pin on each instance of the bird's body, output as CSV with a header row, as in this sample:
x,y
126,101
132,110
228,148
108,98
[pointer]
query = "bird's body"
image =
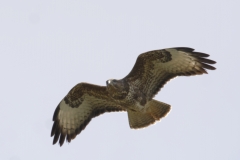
x,y
134,93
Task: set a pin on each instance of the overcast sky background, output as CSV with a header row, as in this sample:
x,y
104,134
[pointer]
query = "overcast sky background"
x,y
49,46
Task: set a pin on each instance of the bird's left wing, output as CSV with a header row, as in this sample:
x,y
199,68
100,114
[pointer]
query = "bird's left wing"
x,y
82,103
154,68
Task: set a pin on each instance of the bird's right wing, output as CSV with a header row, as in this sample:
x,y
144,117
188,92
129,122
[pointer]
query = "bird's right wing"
x,y
75,111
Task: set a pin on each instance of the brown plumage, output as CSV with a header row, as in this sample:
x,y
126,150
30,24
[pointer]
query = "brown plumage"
x,y
133,94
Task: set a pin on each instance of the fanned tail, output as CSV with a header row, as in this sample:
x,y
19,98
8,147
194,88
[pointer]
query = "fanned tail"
x,y
156,110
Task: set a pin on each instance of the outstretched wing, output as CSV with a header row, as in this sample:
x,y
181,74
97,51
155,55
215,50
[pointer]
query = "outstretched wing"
x,y
75,111
154,68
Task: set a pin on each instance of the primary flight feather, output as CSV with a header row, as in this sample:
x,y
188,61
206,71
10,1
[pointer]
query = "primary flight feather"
x,y
133,94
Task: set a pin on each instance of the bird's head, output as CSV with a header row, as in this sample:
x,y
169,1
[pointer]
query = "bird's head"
x,y
117,88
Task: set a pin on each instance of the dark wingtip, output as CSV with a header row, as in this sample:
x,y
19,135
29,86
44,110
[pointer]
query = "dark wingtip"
x,y
208,66
62,138
199,54
204,60
184,49
54,128
56,112
56,137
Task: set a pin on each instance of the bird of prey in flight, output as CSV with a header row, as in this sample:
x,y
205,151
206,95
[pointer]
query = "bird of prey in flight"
x,y
133,94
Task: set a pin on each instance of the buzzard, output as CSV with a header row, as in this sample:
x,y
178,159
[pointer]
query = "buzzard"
x,y
134,93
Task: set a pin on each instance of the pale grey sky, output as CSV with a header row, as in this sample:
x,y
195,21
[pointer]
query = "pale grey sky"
x,y
49,46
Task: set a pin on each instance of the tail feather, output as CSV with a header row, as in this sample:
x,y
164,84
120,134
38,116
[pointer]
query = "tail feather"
x,y
158,109
155,111
139,119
